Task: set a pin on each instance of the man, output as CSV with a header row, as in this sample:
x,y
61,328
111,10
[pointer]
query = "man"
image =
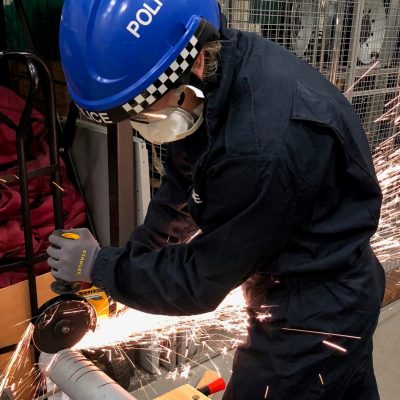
x,y
278,177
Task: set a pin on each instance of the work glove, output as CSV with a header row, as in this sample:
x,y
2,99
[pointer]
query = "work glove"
x,y
72,254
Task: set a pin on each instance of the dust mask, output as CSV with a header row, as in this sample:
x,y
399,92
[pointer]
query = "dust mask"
x,y
169,125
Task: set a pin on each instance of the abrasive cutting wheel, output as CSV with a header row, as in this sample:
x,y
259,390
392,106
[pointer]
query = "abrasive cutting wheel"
x,y
62,322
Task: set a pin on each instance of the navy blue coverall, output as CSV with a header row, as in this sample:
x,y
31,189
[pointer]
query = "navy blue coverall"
x,y
281,182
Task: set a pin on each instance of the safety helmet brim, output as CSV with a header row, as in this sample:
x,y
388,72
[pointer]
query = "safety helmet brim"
x,y
175,75
114,71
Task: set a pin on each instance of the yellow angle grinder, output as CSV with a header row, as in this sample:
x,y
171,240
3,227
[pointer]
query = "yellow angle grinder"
x,y
62,322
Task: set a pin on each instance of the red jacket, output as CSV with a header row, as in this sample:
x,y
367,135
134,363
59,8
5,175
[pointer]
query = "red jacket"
x,y
12,240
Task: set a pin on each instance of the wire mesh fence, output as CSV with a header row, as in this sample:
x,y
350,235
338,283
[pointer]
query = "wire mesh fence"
x,y
356,45
353,43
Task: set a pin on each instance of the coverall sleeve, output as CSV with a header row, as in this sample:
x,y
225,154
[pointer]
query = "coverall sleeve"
x,y
257,203
167,219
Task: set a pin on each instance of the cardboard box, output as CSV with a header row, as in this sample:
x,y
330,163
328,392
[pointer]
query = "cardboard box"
x,y
15,318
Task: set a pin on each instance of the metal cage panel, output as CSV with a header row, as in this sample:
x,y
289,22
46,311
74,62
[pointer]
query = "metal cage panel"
x,y
356,45
353,43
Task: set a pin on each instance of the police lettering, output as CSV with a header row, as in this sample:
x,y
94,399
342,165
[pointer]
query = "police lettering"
x,y
144,17
100,118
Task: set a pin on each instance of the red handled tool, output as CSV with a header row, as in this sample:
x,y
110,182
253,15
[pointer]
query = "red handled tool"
x,y
213,387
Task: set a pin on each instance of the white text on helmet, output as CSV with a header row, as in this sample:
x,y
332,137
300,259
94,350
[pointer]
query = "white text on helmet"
x,y
144,17
100,118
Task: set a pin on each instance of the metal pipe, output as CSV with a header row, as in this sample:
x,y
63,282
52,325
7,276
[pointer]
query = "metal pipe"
x,y
21,134
31,60
354,46
79,378
52,137
121,163
338,23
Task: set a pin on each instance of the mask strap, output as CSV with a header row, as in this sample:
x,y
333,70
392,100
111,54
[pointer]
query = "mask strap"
x,y
193,129
198,111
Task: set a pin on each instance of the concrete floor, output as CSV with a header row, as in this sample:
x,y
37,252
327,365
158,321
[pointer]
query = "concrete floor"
x,y
386,360
387,352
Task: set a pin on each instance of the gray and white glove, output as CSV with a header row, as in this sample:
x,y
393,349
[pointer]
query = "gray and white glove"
x,y
72,254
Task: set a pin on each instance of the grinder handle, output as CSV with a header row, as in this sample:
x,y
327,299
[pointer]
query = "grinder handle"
x,y
60,286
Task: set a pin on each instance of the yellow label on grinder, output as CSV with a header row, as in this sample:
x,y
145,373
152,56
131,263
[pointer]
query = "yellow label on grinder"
x,y
99,300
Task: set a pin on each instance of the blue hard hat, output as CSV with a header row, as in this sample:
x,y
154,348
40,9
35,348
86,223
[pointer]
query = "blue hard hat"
x,y
121,56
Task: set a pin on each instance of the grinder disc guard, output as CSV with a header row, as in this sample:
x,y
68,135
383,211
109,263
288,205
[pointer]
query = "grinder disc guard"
x,y
62,322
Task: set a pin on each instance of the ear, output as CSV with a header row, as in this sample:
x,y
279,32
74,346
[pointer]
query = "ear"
x,y
198,66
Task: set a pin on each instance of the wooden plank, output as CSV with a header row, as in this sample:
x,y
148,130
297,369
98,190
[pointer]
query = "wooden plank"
x,y
185,392
22,380
392,292
15,309
15,317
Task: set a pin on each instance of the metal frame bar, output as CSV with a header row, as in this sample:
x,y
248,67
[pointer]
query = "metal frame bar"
x,y
354,38
121,162
32,61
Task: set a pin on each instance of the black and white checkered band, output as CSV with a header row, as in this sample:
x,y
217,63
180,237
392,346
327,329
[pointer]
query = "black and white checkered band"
x,y
171,78
167,80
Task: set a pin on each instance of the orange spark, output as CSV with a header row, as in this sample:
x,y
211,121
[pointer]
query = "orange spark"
x,y
57,186
321,333
334,346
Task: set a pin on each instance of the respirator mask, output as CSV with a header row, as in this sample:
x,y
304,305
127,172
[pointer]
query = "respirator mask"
x,y
171,123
